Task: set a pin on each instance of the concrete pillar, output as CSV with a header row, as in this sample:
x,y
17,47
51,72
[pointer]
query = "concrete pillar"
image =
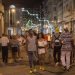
x,y
1,19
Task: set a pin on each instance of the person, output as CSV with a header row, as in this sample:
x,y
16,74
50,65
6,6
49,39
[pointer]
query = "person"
x,y
66,49
14,46
57,48
26,34
4,43
41,44
31,50
46,37
21,41
49,40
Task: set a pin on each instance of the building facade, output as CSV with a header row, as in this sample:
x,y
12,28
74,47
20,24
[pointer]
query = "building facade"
x,y
50,9
66,13
1,18
69,15
63,11
59,9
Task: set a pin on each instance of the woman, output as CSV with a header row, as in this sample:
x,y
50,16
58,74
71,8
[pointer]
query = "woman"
x,y
41,50
31,49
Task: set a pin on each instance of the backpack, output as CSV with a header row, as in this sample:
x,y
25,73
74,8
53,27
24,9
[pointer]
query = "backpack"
x,y
57,42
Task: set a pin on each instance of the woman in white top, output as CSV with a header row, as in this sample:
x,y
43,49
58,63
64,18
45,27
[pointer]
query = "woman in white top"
x,y
41,50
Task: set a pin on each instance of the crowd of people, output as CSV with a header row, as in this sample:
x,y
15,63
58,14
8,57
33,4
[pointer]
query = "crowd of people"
x,y
36,47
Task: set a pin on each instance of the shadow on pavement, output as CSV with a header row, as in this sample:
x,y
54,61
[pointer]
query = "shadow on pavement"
x,y
37,73
19,62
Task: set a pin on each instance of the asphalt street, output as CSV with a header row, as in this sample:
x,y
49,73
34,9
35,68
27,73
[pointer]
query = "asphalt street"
x,y
21,67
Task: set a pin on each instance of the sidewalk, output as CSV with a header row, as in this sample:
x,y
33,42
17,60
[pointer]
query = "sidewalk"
x,y
23,69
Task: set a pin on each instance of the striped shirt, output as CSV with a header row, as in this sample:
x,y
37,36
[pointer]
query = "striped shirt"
x,y
66,38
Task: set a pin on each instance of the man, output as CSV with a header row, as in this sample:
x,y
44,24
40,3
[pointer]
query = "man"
x,y
57,48
31,46
66,49
4,43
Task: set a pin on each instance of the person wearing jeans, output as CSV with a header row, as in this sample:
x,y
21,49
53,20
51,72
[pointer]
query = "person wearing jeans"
x,y
66,49
57,55
5,54
32,59
31,50
57,48
66,54
4,43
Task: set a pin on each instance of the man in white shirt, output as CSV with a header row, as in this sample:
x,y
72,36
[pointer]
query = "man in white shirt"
x,y
4,43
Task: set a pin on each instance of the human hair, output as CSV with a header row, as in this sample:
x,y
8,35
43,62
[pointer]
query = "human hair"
x,y
66,30
31,33
42,36
3,34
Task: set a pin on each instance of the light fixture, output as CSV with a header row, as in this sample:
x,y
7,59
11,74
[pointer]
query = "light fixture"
x,y
12,6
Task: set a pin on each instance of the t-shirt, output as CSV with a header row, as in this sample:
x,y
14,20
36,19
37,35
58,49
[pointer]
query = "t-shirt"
x,y
4,41
31,43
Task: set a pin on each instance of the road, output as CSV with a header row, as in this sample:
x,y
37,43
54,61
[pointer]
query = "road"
x,y
21,67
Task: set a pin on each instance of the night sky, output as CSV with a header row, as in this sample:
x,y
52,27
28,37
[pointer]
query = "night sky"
x,y
23,3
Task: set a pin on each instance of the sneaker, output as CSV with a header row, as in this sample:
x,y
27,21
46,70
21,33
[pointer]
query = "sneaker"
x,y
34,70
64,68
40,67
57,64
43,68
68,69
30,71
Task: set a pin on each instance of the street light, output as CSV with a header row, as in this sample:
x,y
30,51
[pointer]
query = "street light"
x,y
18,22
23,9
12,10
12,6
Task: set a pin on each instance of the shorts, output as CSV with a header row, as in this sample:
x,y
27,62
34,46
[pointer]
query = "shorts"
x,y
14,49
41,51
